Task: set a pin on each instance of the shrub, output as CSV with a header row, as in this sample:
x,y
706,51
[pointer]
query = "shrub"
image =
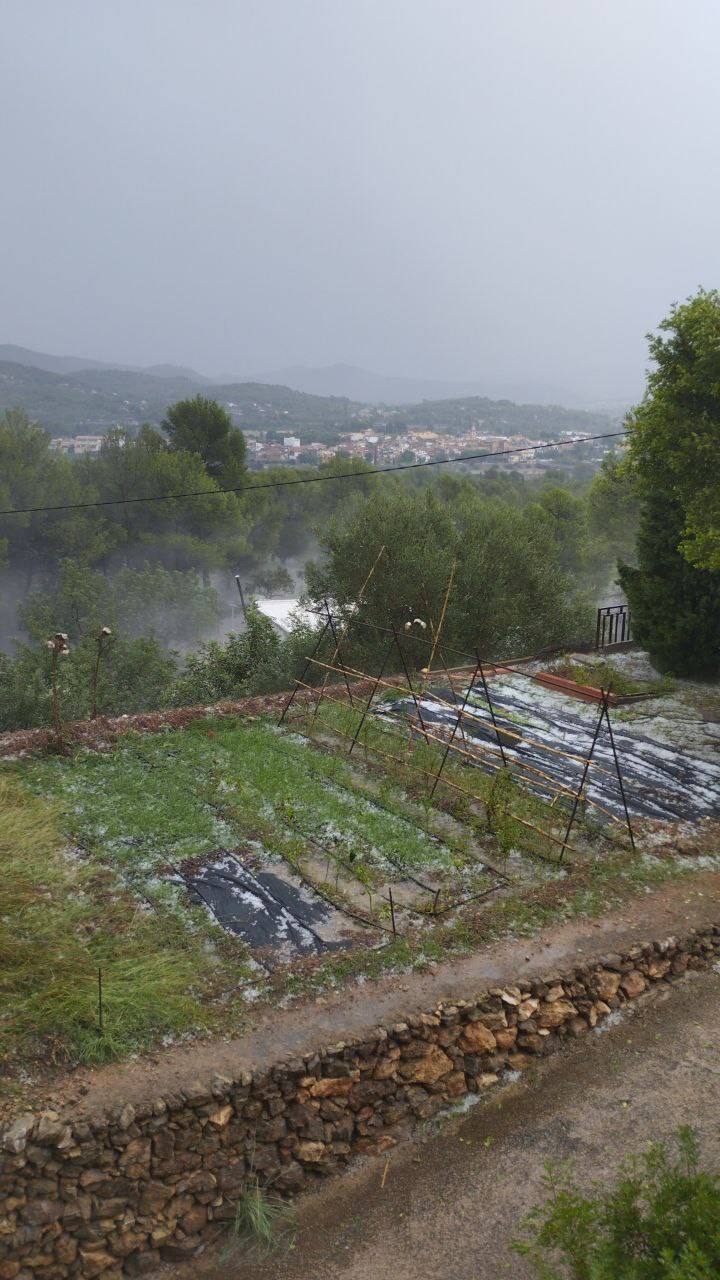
x,y
135,675
257,660
661,1221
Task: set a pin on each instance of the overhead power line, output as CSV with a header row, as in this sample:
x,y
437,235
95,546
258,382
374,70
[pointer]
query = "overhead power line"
x,y
319,479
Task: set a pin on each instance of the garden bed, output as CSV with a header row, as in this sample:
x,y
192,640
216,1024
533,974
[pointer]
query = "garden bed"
x,y
588,693
212,866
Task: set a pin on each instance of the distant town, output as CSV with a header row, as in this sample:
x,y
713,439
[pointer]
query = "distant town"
x,y
415,444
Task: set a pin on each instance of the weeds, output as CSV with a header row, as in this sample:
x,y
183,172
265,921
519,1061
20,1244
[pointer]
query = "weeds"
x,y
604,675
263,1222
141,809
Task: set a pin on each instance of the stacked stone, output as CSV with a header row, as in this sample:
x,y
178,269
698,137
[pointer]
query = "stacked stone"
x,y
116,1196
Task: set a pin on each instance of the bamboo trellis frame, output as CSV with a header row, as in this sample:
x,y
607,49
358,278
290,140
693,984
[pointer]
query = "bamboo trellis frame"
x,y
483,754
427,733
454,786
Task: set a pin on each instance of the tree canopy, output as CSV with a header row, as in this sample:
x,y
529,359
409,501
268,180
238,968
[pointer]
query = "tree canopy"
x,y
674,460
510,593
203,427
675,442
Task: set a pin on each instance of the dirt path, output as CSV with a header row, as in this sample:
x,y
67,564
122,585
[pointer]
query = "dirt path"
x,y
675,909
452,1201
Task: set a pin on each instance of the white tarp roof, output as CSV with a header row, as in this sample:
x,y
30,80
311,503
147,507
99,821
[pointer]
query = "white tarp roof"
x,y
282,610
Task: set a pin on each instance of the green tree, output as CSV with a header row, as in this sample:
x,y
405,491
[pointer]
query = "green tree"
x,y
257,660
674,457
182,533
613,508
510,594
32,476
565,518
203,427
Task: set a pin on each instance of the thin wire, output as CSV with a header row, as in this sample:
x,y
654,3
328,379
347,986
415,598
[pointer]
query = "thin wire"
x,y
281,484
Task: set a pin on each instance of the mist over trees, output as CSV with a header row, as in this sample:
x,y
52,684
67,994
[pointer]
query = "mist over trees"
x,y
530,557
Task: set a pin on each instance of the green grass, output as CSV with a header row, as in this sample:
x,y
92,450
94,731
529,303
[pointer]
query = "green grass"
x,y
87,843
155,801
61,920
489,803
263,1222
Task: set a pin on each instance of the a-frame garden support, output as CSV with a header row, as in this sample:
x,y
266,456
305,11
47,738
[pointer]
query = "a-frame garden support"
x,y
603,717
456,726
373,691
299,683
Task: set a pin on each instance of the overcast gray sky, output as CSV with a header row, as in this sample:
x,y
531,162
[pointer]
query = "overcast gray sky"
x,y
445,188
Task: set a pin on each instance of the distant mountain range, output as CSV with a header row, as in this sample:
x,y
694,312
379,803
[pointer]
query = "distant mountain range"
x,y
377,388
71,395
77,364
74,397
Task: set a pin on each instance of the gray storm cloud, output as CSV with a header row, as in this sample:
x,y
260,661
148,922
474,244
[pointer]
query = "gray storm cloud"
x,y
452,189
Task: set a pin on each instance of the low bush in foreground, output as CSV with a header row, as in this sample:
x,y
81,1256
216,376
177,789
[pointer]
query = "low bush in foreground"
x,y
661,1221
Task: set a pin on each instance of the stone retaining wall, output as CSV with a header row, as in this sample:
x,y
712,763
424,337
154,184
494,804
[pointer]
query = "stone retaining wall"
x,y
116,1196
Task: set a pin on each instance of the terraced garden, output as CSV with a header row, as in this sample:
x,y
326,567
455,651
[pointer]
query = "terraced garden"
x,y
169,885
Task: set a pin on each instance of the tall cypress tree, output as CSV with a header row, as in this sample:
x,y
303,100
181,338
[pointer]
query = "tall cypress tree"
x,y
674,454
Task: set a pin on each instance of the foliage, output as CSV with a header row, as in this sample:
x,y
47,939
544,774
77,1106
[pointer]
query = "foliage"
x,y
613,512
136,674
499,795
604,675
202,426
182,533
256,660
30,476
675,607
675,443
675,459
565,516
661,1221
61,920
510,595
167,604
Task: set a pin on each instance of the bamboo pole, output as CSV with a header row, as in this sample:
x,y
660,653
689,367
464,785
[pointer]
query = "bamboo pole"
x,y
455,786
486,747
443,702
482,755
339,640
436,634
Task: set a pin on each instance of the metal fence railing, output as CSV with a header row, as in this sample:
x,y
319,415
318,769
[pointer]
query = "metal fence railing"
x,y
612,626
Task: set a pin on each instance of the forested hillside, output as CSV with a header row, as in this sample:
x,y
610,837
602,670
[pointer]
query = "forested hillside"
x,y
92,400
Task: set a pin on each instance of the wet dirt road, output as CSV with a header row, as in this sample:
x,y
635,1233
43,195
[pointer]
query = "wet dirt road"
x,y
452,1200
